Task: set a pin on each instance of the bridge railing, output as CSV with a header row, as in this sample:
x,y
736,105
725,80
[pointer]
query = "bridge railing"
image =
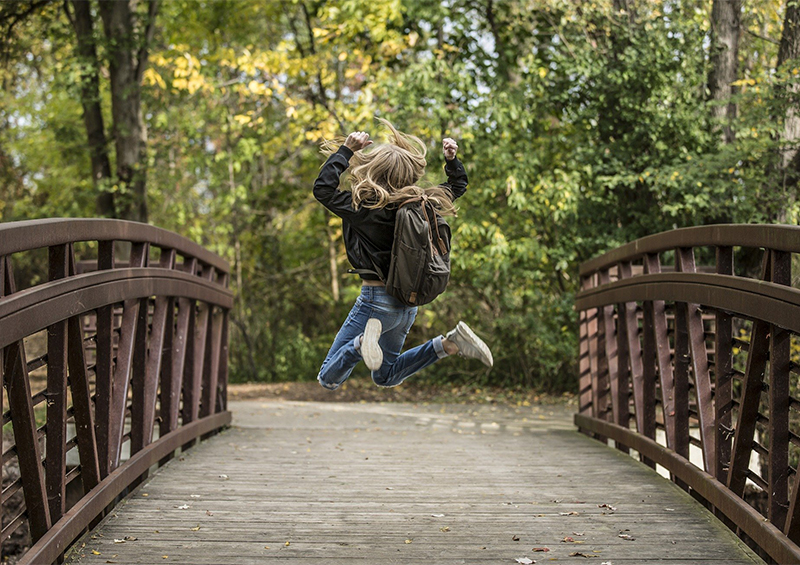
x,y
686,356
108,369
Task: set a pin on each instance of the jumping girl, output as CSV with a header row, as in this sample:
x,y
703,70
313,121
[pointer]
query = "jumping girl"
x,y
377,326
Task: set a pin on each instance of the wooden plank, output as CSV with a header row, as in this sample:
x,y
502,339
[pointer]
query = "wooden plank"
x,y
663,356
104,366
394,473
723,374
55,446
29,455
779,397
757,357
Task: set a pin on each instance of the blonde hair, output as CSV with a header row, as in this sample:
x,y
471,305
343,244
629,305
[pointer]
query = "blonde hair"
x,y
389,173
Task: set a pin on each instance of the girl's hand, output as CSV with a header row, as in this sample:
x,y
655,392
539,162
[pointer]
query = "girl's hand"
x,y
357,140
450,147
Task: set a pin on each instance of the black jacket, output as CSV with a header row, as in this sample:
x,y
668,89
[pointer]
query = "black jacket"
x,y
369,233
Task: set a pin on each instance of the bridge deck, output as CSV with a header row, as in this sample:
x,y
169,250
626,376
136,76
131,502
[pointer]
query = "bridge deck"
x,y
373,483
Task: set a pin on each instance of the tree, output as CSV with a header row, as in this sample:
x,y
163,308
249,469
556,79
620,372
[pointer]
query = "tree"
x,y
788,58
724,59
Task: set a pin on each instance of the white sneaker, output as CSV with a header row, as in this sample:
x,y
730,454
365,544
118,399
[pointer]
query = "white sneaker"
x,y
370,349
470,345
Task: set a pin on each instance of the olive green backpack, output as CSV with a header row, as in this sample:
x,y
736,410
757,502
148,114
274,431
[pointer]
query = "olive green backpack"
x,y
420,265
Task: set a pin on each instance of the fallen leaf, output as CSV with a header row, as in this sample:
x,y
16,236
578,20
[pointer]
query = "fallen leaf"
x,y
444,529
627,537
209,513
145,494
608,506
95,552
131,538
573,513
224,477
165,557
286,544
568,540
514,538
409,541
389,488
182,507
266,547
196,528
525,560
541,549
579,554
578,533
119,540
438,515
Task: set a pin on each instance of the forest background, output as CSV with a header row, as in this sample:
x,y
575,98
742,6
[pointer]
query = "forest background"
x,y
582,125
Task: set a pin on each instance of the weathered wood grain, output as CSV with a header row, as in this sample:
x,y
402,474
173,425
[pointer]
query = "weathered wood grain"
x,y
373,483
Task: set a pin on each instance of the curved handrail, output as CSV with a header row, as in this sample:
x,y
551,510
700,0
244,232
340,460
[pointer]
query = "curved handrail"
x,y
33,309
773,303
155,357
36,234
773,236
647,362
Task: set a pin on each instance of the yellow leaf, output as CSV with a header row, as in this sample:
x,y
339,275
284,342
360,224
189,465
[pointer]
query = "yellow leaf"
x,y
96,552
542,72
408,541
342,55
286,544
196,528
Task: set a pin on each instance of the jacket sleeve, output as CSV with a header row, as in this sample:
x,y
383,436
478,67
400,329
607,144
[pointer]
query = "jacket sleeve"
x,y
456,178
326,187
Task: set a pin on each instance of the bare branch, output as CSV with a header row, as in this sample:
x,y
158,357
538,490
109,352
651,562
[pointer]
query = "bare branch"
x,y
762,37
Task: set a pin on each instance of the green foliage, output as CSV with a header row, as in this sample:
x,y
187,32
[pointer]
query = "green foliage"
x,y
581,129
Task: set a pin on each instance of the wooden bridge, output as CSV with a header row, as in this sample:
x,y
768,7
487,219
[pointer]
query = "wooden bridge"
x,y
114,363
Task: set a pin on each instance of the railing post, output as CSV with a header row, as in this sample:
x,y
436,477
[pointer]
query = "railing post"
x,y
608,365
723,374
680,400
779,403
55,446
586,400
26,436
104,366
751,395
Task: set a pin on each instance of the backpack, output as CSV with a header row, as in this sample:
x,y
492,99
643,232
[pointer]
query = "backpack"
x,y
420,265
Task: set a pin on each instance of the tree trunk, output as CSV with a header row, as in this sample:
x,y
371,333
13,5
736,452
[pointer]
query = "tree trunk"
x,y
789,161
126,59
90,100
724,53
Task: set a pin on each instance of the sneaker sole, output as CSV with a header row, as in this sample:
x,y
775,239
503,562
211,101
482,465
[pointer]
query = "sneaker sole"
x,y
370,349
486,354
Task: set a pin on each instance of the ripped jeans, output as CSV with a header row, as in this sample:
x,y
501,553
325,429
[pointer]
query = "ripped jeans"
x,y
396,321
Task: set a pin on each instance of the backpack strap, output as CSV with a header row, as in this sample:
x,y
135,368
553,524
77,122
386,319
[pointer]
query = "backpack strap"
x,y
377,272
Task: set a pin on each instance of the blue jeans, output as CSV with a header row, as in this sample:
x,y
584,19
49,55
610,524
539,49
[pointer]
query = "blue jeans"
x,y
396,321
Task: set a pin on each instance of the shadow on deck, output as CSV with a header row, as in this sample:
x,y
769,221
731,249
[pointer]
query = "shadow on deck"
x,y
399,483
